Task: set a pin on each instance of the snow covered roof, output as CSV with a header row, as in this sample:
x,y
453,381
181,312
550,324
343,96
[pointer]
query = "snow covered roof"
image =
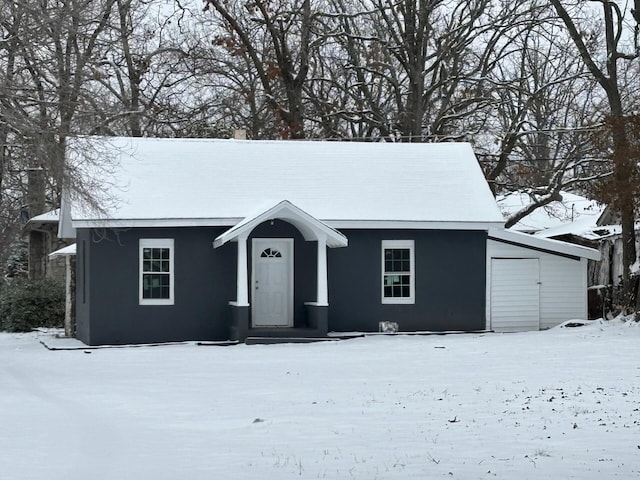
x,y
584,227
545,244
64,251
599,232
45,222
48,217
572,208
181,182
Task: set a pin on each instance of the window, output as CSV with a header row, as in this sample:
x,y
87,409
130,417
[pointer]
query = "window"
x,y
398,271
156,271
271,253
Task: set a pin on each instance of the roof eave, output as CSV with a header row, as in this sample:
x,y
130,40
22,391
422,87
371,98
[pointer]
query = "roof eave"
x,y
546,244
332,223
310,227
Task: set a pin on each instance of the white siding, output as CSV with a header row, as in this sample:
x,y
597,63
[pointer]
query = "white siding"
x,y
515,292
563,283
564,291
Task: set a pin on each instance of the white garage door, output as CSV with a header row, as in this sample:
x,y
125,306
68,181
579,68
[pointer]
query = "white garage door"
x,y
515,294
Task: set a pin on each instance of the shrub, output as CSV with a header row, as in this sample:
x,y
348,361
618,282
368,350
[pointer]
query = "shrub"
x,y
27,304
17,264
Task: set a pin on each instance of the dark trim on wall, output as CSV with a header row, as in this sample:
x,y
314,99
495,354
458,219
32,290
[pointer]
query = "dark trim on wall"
x,y
537,249
84,271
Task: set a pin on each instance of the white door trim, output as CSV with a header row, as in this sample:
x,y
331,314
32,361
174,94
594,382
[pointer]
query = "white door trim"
x,y
257,247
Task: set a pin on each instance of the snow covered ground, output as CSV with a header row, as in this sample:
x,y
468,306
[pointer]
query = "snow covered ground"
x,y
559,404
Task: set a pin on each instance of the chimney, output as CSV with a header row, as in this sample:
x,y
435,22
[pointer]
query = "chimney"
x,y
240,134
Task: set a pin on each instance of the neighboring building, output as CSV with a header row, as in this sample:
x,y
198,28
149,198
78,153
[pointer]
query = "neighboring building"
x,y
224,239
42,234
573,209
604,276
607,238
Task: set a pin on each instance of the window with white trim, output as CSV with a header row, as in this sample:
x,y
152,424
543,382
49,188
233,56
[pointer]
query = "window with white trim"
x,y
398,271
156,271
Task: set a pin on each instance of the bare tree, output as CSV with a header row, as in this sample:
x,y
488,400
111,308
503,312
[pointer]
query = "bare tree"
x,y
57,44
44,55
416,69
227,85
147,62
604,66
278,37
541,119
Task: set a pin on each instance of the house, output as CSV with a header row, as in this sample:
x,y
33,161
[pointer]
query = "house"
x,y
225,239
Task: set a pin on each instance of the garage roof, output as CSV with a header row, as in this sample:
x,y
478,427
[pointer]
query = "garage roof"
x,y
544,244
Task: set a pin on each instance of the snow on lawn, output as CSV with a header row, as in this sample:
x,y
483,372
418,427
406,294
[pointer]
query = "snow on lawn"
x,y
558,404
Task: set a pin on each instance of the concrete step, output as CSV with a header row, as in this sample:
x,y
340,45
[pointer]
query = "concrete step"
x,y
276,340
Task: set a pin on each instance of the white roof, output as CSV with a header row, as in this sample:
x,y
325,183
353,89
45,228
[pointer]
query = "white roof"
x,y
545,244
64,251
48,217
172,182
582,227
572,208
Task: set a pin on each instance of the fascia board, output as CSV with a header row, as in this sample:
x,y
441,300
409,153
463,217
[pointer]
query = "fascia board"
x,y
335,224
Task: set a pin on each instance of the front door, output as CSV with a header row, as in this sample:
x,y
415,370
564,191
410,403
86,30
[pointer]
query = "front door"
x,y
272,282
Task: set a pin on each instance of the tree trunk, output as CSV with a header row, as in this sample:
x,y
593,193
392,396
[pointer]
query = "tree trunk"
x,y
37,239
624,167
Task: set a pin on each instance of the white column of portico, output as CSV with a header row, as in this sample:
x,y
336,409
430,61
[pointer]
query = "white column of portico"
x,y
242,295
323,294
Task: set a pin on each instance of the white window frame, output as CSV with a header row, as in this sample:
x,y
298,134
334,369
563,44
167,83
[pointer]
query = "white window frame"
x,y
397,244
156,243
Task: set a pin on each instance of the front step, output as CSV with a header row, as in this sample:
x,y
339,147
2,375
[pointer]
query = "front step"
x,y
287,332
276,340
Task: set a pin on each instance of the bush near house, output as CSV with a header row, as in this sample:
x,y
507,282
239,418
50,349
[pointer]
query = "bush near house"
x,y
17,260
27,304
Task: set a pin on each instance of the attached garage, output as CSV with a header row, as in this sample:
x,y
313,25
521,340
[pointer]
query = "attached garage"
x,y
515,294
534,283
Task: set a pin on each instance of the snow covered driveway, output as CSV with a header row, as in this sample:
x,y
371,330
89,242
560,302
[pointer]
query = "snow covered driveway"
x,y
559,404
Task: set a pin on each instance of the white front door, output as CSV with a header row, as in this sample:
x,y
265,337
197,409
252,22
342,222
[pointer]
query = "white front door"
x,y
272,282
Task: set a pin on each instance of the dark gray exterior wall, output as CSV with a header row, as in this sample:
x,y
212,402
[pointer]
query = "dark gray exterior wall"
x,y
450,276
450,283
205,281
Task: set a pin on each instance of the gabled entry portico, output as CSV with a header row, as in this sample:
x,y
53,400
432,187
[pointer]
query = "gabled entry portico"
x,y
258,305
272,282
